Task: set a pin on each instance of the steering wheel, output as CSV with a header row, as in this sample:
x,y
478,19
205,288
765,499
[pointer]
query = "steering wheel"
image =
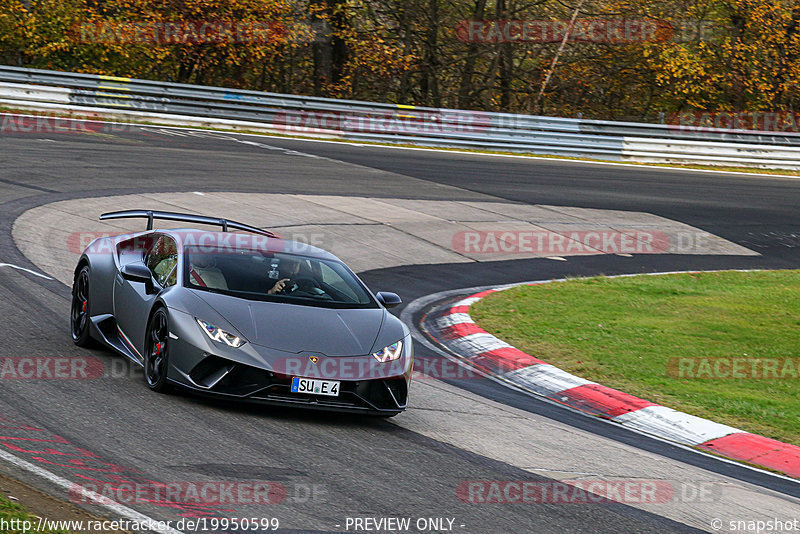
x,y
308,287
306,282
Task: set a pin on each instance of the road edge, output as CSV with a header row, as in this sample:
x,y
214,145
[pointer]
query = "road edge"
x,y
451,326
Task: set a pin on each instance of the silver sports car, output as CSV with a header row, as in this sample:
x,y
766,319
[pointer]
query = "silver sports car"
x,y
243,315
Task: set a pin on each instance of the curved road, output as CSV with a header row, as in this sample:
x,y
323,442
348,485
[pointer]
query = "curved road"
x,y
333,468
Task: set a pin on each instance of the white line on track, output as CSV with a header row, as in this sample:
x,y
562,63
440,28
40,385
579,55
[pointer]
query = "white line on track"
x,y
40,275
200,133
118,509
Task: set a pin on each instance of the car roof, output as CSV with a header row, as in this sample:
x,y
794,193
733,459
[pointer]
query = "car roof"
x,y
245,241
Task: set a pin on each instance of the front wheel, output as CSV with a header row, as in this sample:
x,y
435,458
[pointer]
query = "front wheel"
x,y
79,309
156,359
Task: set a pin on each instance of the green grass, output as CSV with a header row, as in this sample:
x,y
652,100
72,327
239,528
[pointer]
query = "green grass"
x,y
623,332
10,511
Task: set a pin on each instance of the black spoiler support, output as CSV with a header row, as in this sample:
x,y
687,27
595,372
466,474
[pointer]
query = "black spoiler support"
x,y
151,215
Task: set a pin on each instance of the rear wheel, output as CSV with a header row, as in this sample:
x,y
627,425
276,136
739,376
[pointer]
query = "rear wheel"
x,y
80,309
156,359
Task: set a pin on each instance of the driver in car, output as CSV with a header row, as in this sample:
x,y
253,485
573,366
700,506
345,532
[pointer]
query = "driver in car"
x,y
289,269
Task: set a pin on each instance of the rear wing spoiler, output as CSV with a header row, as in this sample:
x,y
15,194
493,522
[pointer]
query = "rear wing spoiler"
x,y
151,215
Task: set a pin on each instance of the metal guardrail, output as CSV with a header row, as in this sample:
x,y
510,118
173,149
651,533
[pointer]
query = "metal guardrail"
x,y
392,123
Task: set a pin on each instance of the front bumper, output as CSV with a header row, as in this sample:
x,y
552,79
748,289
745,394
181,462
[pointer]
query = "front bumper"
x,y
262,375
243,382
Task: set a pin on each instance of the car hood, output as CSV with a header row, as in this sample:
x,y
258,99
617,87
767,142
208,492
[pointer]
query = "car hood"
x,y
295,328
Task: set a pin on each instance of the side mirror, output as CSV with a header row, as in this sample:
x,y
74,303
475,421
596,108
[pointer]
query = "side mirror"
x,y
136,272
389,300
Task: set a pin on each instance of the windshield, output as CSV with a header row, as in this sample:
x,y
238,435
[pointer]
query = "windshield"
x,y
280,277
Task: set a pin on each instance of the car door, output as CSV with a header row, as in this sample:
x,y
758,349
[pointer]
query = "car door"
x,y
133,300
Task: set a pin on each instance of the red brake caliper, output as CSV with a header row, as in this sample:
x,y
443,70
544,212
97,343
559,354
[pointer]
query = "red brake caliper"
x,y
158,349
83,307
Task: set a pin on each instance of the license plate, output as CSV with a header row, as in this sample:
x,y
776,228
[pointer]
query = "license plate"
x,y
312,386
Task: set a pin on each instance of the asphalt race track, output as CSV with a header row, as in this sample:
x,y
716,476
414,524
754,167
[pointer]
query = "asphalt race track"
x,y
335,467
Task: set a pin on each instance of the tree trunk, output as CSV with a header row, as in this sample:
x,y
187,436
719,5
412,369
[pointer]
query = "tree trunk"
x,y
329,50
431,93
322,56
506,61
466,88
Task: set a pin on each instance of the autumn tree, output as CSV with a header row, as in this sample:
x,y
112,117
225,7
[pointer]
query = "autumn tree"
x,y
704,54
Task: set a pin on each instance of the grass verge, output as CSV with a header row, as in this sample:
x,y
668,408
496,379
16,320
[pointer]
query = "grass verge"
x,y
13,518
724,346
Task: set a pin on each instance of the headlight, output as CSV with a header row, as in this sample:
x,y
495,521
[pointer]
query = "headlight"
x,y
390,353
218,334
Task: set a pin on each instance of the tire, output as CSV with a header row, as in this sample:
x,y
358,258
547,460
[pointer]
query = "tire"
x,y
156,356
80,309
